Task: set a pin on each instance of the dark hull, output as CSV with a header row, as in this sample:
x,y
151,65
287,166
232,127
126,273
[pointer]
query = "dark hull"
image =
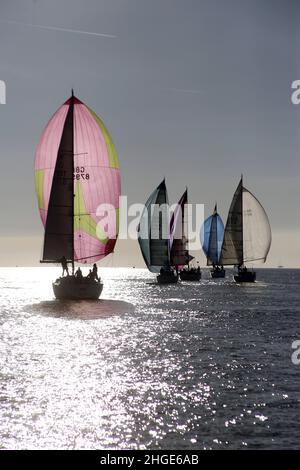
x,y
71,288
218,274
247,276
190,276
167,278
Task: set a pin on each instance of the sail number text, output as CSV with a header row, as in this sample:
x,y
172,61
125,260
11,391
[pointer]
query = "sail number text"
x,y
80,173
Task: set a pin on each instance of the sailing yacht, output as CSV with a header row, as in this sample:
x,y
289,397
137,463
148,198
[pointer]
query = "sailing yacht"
x,y
77,171
153,236
180,256
247,236
211,239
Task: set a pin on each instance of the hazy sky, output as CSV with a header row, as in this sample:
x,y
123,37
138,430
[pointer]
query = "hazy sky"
x,y
194,90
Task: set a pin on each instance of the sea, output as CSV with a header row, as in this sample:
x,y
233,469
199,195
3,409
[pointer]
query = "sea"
x,y
197,365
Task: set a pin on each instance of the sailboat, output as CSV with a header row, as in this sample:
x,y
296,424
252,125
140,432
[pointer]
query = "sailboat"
x,y
211,239
247,236
154,234
77,171
180,256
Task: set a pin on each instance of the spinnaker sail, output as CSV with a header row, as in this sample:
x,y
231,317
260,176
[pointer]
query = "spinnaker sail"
x,y
247,236
211,237
77,181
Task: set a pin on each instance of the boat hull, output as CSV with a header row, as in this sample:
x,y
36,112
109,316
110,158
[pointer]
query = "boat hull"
x,y
245,276
218,274
71,288
167,278
190,276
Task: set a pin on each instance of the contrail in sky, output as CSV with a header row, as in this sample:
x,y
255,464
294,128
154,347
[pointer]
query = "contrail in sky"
x,y
184,90
55,28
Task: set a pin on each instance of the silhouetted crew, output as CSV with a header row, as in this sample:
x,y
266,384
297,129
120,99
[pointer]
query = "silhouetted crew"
x,y
64,265
90,275
95,271
78,274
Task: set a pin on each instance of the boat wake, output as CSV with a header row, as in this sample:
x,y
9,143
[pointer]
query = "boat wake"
x,y
81,310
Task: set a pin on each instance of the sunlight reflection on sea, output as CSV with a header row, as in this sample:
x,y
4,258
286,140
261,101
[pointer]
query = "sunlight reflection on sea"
x,y
196,365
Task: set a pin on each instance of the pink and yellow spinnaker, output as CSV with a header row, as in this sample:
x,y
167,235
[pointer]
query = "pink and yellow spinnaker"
x,y
77,181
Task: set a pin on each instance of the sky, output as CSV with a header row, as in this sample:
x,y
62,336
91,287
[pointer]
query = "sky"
x,y
197,91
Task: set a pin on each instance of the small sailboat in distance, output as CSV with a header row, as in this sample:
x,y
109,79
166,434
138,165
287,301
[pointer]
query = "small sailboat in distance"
x,y
212,234
77,171
180,256
154,234
247,236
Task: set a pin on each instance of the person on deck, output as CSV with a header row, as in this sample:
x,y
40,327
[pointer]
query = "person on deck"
x,y
78,274
90,275
64,265
95,272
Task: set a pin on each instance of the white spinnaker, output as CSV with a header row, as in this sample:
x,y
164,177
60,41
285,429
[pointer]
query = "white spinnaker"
x,y
257,235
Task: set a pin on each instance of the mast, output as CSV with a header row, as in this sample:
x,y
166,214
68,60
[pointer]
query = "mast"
x,y
242,222
183,233
73,198
215,215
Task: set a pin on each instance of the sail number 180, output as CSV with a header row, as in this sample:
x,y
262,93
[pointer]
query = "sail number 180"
x,y
80,173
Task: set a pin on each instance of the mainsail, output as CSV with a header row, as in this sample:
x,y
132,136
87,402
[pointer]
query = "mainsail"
x,y
232,248
178,234
78,185
153,230
247,234
212,234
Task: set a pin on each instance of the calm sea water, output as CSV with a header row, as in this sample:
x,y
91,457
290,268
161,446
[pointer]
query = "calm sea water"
x,y
187,366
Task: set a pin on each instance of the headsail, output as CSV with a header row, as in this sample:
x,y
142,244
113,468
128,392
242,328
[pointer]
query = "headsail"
x,y
247,234
153,230
76,141
212,234
178,234
256,229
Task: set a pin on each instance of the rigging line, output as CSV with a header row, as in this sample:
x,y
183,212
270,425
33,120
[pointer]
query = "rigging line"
x,y
91,256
